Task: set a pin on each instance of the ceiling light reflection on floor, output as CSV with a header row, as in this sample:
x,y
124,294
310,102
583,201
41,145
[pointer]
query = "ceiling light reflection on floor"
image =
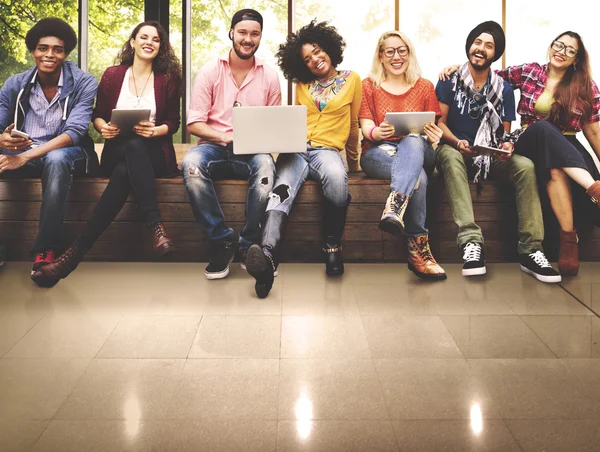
x,y
476,419
304,415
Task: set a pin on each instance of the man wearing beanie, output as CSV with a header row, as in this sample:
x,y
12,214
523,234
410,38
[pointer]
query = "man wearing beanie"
x,y
477,109
44,117
236,78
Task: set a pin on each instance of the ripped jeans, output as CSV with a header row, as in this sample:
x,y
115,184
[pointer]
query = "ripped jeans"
x,y
209,161
323,165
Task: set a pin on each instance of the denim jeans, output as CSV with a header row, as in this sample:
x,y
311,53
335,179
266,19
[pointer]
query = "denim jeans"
x,y
323,165
56,170
132,165
407,164
209,161
517,170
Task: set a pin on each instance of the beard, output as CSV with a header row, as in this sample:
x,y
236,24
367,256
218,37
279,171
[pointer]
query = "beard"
x,y
237,49
481,65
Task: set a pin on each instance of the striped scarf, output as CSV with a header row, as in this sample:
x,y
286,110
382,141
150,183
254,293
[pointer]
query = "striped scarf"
x,y
491,130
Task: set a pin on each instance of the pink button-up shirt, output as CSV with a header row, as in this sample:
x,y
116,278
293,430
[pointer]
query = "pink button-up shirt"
x,y
215,91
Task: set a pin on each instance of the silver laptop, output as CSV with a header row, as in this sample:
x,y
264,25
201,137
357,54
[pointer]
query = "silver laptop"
x,y
267,130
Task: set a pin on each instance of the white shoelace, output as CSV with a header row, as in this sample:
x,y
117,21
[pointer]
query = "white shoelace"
x,y
540,259
472,252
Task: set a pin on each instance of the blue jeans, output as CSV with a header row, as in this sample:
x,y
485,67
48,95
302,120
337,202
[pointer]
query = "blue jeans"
x,y
56,169
209,161
407,164
323,165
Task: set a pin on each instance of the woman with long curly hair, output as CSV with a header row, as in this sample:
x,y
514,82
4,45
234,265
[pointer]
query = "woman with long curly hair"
x,y
558,100
148,76
332,97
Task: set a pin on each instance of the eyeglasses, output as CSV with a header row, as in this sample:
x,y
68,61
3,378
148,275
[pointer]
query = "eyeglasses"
x,y
476,104
559,46
389,52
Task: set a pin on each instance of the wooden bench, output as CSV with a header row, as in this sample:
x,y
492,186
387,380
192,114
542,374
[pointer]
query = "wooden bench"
x,y
128,240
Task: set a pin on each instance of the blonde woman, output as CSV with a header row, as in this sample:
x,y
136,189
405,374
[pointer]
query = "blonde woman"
x,y
395,85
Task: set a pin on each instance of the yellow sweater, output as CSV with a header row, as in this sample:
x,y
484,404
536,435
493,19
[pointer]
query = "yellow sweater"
x,y
337,125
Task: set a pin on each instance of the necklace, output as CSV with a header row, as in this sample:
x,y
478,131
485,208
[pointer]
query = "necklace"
x,y
139,98
324,83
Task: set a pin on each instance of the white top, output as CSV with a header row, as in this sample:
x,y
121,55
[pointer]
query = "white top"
x,y
128,100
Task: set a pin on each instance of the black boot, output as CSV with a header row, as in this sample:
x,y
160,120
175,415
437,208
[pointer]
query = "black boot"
x,y
262,260
334,220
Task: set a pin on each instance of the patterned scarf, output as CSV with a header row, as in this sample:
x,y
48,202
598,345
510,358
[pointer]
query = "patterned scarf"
x,y
491,131
323,91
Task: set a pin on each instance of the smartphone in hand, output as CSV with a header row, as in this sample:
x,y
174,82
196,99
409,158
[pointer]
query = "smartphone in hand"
x,y
17,133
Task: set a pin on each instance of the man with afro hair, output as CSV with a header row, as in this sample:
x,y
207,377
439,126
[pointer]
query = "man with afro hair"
x,y
44,118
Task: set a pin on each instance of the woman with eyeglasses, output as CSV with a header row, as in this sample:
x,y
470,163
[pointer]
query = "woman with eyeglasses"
x,y
395,85
148,77
558,100
332,97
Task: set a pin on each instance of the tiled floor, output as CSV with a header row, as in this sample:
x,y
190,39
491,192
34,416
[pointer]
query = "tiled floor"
x,y
153,357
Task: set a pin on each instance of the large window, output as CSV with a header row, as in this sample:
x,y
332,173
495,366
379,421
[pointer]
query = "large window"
x,y
211,20
17,17
360,22
110,24
531,26
439,29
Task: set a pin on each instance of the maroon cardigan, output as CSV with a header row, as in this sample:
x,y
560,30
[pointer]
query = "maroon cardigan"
x,y
167,107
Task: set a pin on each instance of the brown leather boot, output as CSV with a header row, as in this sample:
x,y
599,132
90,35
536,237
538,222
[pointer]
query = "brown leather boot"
x,y
49,274
161,243
420,260
568,255
594,192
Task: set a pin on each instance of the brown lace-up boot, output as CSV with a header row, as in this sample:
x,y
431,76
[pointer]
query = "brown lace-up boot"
x,y
161,243
420,260
49,274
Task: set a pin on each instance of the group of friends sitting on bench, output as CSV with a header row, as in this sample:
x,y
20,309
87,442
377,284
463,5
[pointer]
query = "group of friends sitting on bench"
x,y
45,112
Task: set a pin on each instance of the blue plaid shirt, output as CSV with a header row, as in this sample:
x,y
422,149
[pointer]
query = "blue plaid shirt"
x,y
44,118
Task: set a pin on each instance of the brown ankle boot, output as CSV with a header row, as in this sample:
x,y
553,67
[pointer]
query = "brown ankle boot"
x,y
568,255
49,274
420,260
594,192
161,243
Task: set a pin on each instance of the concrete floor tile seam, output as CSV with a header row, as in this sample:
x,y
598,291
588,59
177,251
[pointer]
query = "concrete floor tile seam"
x,y
22,336
512,434
589,308
68,395
108,336
539,338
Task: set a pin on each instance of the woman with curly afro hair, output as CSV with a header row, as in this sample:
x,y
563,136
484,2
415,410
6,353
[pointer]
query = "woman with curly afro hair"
x,y
148,77
332,97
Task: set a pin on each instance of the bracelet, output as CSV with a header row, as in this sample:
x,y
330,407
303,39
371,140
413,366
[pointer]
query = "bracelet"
x,y
371,133
458,143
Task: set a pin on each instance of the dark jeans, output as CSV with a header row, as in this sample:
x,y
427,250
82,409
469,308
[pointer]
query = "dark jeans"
x,y
132,164
56,170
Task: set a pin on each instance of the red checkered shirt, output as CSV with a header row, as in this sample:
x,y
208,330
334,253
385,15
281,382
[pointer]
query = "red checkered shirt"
x,y
531,80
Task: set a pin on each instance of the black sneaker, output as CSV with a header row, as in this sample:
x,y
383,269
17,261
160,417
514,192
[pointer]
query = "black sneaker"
x,y
221,255
538,266
474,259
262,268
242,255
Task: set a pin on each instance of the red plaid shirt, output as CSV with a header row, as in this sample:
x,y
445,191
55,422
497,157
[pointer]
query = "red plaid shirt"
x,y
531,80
